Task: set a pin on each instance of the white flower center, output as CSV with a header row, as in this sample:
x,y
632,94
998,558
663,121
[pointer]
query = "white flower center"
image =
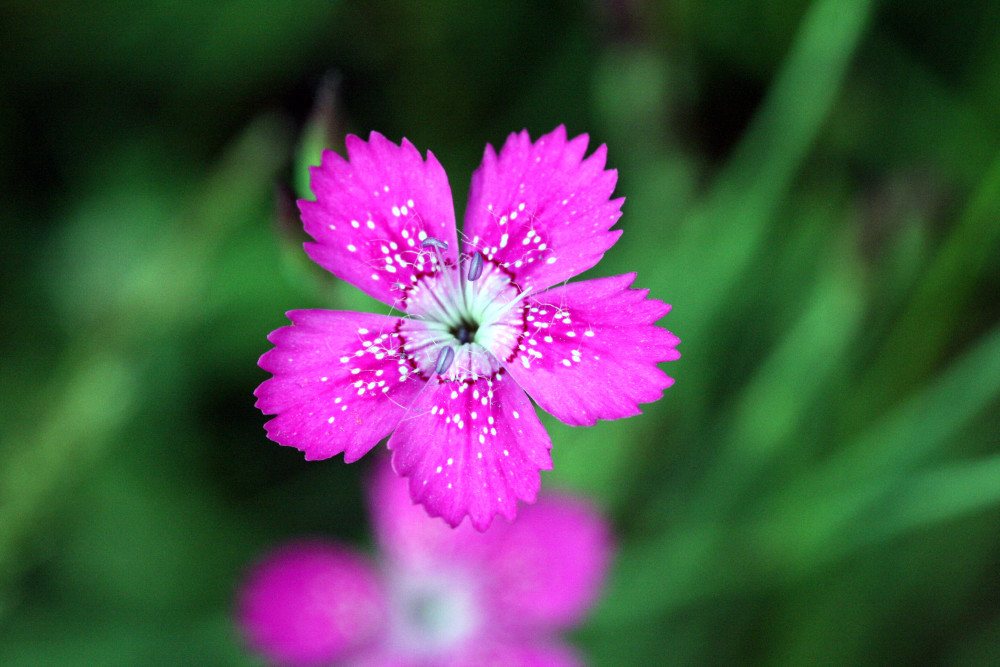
x,y
482,321
431,612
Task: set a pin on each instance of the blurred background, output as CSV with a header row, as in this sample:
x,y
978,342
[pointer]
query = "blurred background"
x,y
814,186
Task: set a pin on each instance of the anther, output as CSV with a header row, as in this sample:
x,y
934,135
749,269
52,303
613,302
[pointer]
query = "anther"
x,y
445,357
437,243
476,266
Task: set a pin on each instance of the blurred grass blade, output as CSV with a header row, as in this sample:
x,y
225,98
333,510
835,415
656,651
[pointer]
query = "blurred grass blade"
x,y
944,494
825,514
820,517
721,237
784,391
735,218
87,408
925,422
928,324
232,196
98,383
323,130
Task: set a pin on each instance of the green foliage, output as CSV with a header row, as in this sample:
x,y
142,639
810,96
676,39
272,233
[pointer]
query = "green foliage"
x,y
814,186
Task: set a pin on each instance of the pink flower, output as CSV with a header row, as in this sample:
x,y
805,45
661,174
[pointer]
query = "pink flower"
x,y
442,597
478,328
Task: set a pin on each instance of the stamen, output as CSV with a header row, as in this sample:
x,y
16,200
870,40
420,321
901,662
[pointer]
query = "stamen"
x,y
437,243
476,266
445,357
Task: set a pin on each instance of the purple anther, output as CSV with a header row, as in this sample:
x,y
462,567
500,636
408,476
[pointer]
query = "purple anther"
x,y
445,357
437,243
476,266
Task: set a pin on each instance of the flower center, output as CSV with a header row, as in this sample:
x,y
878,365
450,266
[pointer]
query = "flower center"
x,y
465,332
461,329
432,612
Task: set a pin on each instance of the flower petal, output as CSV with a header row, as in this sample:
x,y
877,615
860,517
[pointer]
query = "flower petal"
x,y
340,383
373,210
546,569
310,603
404,533
541,210
472,447
592,350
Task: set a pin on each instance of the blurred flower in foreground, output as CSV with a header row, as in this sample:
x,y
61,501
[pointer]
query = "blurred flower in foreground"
x,y
441,597
479,327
